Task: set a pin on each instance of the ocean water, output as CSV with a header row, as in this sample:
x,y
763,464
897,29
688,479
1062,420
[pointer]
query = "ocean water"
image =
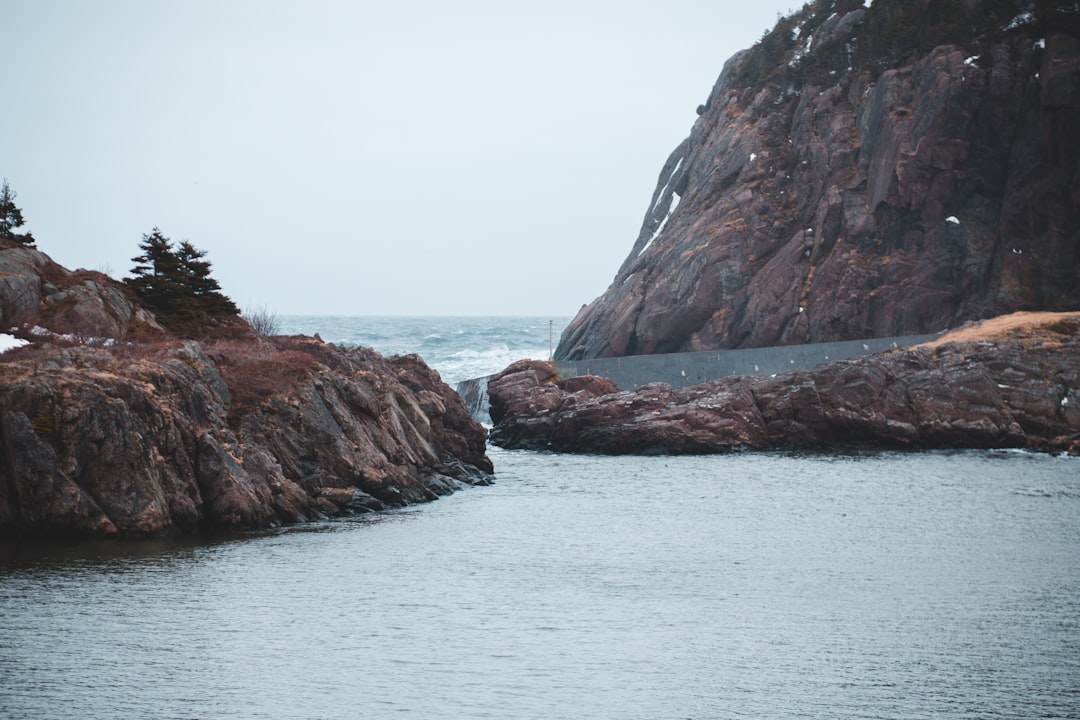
x,y
752,585
460,348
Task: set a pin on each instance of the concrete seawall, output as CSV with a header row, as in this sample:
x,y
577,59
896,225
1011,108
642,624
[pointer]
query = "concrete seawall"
x,y
682,369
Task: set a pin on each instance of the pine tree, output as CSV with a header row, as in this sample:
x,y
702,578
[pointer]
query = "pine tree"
x,y
194,273
175,281
156,274
11,217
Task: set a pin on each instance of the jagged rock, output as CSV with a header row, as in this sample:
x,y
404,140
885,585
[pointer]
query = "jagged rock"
x,y
170,438
36,291
875,202
536,382
1019,391
352,499
99,310
140,433
37,493
20,284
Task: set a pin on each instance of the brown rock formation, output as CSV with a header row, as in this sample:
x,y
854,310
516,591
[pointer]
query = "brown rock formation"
x,y
169,436
34,290
1021,390
861,173
179,436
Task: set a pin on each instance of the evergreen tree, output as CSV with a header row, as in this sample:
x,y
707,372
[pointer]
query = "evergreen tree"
x,y
11,218
175,281
156,274
194,273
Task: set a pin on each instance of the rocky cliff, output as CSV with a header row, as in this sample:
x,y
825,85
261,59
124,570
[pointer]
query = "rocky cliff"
x,y
1017,388
103,433
862,172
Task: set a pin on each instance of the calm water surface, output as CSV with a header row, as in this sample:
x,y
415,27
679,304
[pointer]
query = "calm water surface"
x,y
742,586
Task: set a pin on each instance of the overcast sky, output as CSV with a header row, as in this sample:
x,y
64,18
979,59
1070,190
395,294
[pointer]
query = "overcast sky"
x,y
347,157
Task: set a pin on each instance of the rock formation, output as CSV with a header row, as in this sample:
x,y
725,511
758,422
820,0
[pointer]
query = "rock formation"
x,y
862,172
34,290
163,435
1019,390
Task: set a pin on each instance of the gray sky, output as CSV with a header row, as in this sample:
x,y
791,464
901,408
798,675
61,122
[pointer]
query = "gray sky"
x,y
359,158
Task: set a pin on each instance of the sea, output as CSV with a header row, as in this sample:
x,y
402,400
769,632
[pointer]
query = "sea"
x,y
745,585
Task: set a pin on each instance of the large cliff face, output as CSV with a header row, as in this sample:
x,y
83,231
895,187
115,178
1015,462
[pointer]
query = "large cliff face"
x,y
904,193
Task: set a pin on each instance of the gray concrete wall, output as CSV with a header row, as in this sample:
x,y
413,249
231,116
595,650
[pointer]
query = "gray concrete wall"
x,y
682,369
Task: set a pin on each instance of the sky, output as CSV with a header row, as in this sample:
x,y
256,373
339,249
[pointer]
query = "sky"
x,y
337,157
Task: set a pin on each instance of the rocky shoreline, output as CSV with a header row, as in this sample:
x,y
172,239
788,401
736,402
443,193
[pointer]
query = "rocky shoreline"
x,y
1019,388
127,430
93,443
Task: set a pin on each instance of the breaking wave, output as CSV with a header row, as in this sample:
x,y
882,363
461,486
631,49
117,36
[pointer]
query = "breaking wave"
x,y
458,347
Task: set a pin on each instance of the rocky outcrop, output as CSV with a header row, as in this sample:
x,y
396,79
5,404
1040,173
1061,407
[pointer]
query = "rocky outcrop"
x,y
829,193
36,291
179,436
111,426
1018,391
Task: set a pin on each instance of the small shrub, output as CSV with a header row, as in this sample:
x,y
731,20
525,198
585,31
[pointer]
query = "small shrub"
x,y
126,353
142,332
262,320
82,275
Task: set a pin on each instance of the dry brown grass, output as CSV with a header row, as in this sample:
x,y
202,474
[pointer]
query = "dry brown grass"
x,y
1047,327
255,371
14,356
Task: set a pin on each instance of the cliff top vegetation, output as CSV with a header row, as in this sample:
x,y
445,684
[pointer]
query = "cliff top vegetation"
x,y
888,32
174,281
171,288
11,218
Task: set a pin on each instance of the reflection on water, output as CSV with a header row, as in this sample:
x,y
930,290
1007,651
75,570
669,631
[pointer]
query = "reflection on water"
x,y
756,585
135,554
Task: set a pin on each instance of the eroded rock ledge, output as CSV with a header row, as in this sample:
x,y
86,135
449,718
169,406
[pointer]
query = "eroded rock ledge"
x,y
1019,388
174,437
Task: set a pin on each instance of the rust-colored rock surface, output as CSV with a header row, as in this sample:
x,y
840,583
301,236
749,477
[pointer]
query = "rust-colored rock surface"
x,y
1017,389
832,189
111,426
35,290
178,436
175,437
